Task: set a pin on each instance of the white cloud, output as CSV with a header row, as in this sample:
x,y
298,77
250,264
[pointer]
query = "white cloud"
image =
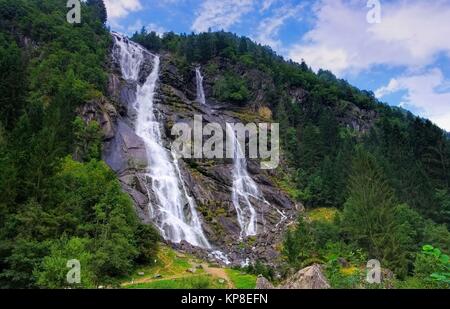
x,y
268,28
121,8
411,34
220,14
266,4
138,24
156,28
424,93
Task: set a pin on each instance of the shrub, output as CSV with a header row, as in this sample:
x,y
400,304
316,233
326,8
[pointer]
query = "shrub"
x,y
231,88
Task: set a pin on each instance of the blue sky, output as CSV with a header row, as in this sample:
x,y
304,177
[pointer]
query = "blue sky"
x,y
404,59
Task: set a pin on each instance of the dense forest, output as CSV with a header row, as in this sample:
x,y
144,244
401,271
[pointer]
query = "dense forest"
x,y
387,187
51,206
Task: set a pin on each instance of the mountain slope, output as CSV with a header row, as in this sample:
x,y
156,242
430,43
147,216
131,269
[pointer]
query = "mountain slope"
x,y
65,105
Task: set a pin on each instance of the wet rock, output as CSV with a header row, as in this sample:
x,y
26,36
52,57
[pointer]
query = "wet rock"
x,y
114,86
209,182
125,151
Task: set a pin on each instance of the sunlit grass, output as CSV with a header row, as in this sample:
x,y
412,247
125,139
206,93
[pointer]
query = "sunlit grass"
x,y
168,264
241,280
322,214
191,282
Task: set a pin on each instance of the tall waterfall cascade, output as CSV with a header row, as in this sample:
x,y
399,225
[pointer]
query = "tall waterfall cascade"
x,y
244,188
173,210
200,90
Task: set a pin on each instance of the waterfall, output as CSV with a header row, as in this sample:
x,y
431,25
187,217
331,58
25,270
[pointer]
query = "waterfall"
x,y
173,210
243,189
200,91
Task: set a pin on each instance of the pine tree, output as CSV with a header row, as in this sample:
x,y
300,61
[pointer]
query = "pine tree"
x,y
369,214
99,9
299,244
311,149
12,85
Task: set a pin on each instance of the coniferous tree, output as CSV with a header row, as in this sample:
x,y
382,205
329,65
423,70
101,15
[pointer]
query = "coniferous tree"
x,y
12,85
99,9
369,214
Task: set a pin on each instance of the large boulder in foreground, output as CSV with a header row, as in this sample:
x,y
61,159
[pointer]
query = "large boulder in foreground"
x,y
308,278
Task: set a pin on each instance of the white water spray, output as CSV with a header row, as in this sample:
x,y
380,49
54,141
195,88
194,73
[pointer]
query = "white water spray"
x,y
243,188
174,210
200,91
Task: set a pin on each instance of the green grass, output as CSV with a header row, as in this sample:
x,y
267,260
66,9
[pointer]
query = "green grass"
x,y
168,263
192,282
323,214
288,186
170,272
241,280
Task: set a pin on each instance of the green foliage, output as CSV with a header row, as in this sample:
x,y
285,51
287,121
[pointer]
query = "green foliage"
x,y
88,140
12,83
241,280
339,280
369,215
52,273
192,282
438,235
433,266
443,199
18,259
149,40
299,244
261,269
86,204
99,9
52,208
147,243
100,210
231,88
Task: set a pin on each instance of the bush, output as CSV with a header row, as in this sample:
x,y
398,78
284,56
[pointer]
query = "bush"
x,y
433,267
52,273
147,242
231,88
299,244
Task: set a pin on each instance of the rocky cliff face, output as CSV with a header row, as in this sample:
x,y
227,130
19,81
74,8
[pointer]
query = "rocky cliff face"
x,y
208,181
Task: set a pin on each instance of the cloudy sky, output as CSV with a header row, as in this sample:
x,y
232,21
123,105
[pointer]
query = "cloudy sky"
x,y
404,59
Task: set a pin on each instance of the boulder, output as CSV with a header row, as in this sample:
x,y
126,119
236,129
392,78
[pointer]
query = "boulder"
x,y
263,284
308,278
